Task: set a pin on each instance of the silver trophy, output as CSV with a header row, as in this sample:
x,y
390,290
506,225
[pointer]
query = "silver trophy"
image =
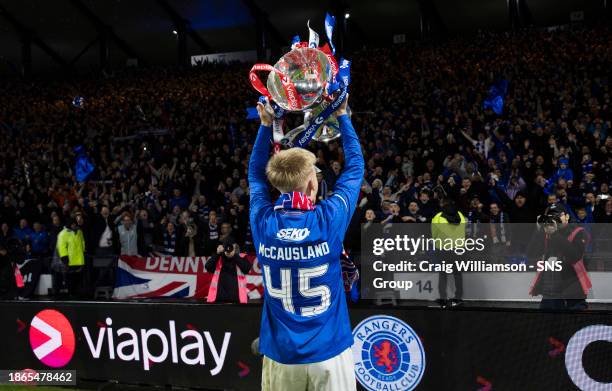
x,y
304,80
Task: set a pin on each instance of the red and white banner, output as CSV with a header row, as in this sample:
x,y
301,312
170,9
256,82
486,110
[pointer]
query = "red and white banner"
x,y
178,277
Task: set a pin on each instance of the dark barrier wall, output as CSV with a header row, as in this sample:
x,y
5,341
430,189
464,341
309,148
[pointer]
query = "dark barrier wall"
x,y
152,326
209,346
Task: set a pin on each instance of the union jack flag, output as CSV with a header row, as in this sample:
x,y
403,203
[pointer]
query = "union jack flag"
x,y
167,276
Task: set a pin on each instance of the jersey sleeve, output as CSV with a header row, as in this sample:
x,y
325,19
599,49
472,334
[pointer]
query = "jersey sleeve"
x,y
343,201
259,195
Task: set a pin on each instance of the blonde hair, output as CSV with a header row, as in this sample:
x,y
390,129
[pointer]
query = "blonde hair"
x,y
290,169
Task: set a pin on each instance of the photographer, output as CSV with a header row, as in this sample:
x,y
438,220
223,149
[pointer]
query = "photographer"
x,y
565,289
228,284
11,251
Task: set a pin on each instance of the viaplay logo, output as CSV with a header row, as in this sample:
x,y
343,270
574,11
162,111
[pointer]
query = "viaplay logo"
x,y
52,338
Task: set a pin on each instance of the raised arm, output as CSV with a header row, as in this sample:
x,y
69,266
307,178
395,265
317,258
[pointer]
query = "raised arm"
x,y
467,136
348,185
258,188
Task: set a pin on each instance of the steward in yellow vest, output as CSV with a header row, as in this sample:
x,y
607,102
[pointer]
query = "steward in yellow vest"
x,y
71,244
449,224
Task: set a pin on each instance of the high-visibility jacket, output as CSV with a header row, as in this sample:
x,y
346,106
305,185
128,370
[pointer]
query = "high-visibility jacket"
x,y
442,229
214,283
72,245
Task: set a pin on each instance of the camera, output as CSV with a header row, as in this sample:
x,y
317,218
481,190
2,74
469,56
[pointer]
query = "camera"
x,y
550,221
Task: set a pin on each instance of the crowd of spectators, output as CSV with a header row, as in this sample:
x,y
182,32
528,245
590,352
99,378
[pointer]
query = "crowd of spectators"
x,y
170,147
429,136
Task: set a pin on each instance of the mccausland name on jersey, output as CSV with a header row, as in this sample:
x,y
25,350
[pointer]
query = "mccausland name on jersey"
x,y
294,253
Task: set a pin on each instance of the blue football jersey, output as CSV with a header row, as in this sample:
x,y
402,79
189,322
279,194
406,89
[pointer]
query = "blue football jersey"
x,y
305,317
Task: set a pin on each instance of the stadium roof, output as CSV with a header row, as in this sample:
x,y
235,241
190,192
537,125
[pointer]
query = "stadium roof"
x,y
68,31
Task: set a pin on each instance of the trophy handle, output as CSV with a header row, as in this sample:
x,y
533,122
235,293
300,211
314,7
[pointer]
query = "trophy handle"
x,y
294,100
292,134
256,81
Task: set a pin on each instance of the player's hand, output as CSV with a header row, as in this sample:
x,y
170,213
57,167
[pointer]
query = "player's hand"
x,y
220,249
342,109
264,116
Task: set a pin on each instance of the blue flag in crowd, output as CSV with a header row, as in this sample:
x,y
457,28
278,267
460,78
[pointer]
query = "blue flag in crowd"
x,y
252,113
294,41
497,93
330,21
78,102
83,166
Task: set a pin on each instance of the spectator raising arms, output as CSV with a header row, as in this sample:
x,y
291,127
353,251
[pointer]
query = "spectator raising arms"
x,y
166,141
